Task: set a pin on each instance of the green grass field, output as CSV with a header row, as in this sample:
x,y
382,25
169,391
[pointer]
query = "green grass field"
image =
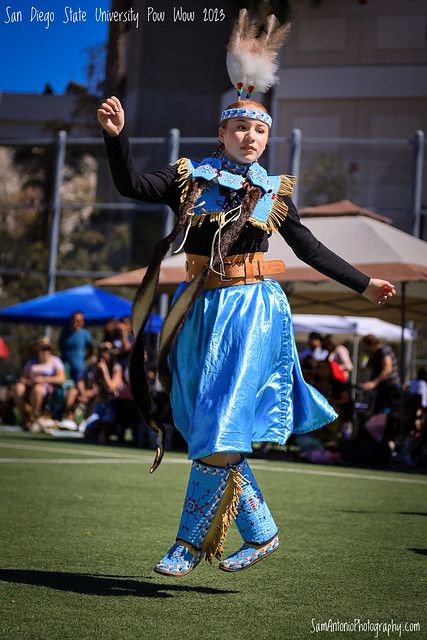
x,y
82,526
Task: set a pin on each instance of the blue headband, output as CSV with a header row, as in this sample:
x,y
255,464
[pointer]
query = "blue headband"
x,y
251,114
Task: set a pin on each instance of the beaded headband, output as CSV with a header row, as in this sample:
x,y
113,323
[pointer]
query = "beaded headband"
x,y
243,112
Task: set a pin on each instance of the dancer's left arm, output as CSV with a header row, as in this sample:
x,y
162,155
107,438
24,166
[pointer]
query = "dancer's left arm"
x,y
311,251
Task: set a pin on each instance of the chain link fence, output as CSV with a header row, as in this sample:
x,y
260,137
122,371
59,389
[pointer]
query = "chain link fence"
x,y
62,222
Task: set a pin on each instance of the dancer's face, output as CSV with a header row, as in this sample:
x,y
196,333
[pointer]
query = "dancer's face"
x,y
244,139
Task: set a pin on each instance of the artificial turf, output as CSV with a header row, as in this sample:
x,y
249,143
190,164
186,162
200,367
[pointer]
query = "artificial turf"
x,y
79,540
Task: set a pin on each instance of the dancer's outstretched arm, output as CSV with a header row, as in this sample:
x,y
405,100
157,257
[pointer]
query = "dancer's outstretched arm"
x,y
311,251
156,186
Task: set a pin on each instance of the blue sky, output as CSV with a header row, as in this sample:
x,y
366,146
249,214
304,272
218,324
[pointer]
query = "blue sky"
x,y
32,55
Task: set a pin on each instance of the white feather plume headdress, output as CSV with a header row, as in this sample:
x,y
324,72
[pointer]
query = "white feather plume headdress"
x,y
252,53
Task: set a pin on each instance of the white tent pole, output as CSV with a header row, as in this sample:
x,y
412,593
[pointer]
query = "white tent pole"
x,y
410,347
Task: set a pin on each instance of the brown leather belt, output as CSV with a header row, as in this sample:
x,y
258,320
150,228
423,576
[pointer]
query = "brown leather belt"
x,y
244,268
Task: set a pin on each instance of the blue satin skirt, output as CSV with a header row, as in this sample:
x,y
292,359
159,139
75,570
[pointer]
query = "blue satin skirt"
x,y
236,376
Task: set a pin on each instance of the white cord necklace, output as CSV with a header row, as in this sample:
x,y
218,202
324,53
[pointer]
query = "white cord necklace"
x,y
222,224
190,213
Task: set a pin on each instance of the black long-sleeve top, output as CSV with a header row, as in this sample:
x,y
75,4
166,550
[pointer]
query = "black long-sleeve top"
x,y
161,187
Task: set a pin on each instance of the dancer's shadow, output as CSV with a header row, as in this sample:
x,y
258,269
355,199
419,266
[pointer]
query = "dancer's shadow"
x,y
102,585
355,511
422,552
400,513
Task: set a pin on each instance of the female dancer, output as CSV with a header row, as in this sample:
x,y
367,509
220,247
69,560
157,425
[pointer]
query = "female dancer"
x,y
228,343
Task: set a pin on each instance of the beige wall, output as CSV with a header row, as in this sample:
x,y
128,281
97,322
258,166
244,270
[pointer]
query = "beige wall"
x,y
357,71
359,118
344,32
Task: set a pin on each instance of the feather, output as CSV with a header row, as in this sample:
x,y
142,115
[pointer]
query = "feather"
x,y
274,34
252,58
277,38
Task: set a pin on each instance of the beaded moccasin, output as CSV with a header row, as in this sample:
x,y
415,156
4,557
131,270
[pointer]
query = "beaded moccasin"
x,y
178,561
255,524
246,556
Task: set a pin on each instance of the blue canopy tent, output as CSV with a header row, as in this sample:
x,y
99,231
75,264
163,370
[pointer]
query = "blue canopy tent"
x,y
56,308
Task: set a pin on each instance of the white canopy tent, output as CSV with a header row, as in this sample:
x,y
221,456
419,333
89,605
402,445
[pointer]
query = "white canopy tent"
x,y
352,326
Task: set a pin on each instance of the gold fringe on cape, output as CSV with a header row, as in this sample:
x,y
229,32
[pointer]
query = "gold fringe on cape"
x,y
183,169
224,516
278,212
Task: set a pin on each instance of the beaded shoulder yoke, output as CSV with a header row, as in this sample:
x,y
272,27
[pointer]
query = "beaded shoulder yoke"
x,y
270,209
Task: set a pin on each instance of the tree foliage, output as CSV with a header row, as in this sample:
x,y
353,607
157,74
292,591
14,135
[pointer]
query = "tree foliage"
x,y
326,180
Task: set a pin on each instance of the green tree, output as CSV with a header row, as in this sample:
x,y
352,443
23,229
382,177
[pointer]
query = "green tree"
x,y
326,180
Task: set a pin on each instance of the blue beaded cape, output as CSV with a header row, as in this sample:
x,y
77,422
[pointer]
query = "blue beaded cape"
x,y
270,209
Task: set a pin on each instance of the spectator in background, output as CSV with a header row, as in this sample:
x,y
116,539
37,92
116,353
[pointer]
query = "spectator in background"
x,y
414,447
75,343
310,357
109,380
314,349
340,366
124,343
40,375
111,330
384,375
81,397
338,353
418,386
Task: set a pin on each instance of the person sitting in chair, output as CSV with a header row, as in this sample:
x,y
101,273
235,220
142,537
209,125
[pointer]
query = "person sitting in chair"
x,y
40,375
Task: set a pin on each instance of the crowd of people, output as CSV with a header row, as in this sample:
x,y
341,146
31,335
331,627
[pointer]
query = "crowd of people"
x,y
86,388
379,419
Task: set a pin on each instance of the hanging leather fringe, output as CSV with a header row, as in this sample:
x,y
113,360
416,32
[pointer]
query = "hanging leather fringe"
x,y
198,219
142,305
225,514
171,325
137,379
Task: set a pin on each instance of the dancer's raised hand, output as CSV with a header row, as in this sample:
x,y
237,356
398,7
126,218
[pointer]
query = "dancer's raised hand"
x,y
379,291
111,116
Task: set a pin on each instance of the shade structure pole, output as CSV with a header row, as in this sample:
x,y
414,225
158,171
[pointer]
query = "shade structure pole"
x,y
402,333
402,354
55,209
355,360
409,349
295,141
61,141
417,182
